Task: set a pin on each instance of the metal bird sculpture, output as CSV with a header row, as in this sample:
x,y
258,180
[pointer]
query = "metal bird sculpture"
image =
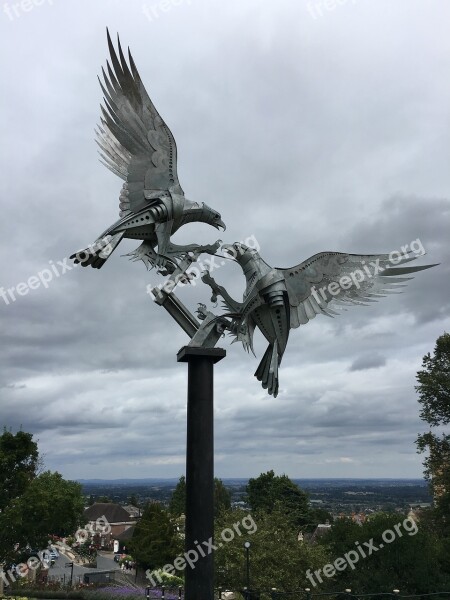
x,y
278,300
137,145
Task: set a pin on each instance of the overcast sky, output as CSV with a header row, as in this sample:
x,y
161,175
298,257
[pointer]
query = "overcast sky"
x,y
320,126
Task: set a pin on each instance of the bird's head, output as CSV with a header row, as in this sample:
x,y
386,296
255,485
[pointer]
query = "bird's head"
x,y
240,252
199,212
212,217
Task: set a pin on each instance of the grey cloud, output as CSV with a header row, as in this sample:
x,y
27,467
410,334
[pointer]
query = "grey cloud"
x,y
371,361
296,139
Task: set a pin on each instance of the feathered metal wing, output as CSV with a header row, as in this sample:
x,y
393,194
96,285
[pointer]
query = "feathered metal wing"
x,y
135,142
331,280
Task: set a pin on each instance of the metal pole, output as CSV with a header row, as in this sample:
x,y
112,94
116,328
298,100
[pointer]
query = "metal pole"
x,y
247,557
248,566
71,571
199,584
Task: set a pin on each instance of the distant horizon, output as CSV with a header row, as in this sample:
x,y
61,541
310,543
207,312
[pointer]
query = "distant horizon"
x,y
148,479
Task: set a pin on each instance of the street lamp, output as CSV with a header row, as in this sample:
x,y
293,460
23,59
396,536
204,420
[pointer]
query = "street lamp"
x,y
247,555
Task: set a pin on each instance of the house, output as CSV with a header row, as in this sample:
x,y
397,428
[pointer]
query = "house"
x,y
121,541
106,521
321,530
133,511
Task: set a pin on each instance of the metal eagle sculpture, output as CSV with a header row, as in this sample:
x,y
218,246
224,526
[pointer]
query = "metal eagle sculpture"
x,y
137,145
278,300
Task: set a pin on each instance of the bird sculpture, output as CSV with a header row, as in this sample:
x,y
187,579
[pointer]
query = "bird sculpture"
x,y
278,300
136,144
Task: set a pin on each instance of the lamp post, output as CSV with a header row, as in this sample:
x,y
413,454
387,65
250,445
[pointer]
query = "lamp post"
x,y
247,557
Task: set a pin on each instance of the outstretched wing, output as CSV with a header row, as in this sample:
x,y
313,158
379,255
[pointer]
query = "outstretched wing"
x,y
135,142
333,279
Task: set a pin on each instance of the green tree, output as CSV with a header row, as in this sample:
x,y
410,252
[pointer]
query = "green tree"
x,y
317,516
277,558
222,497
19,461
412,562
434,397
434,384
270,492
49,506
35,506
57,504
177,504
155,542
133,500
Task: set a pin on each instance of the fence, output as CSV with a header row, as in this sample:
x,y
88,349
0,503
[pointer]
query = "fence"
x,y
164,595
305,594
347,594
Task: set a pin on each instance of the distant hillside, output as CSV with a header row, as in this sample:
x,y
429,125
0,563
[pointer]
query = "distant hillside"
x,y
338,496
304,483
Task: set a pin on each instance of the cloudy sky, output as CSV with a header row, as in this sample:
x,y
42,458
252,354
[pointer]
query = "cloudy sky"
x,y
312,126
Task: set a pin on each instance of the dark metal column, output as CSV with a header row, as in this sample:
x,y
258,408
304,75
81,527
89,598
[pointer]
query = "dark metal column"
x,y
200,468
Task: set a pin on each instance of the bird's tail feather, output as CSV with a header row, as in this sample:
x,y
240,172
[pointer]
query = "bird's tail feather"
x,y
97,254
267,371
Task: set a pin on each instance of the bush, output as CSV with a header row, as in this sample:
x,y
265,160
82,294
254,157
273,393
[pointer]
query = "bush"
x,y
167,579
48,594
112,592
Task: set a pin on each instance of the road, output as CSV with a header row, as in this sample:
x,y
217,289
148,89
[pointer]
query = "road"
x,y
59,571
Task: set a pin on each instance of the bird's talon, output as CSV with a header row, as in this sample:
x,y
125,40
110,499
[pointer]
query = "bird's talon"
x,y
206,278
201,312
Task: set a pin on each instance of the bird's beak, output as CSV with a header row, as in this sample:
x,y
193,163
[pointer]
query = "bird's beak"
x,y
229,249
220,224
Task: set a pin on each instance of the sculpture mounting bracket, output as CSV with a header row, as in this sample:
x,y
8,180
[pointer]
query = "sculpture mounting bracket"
x,y
204,334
